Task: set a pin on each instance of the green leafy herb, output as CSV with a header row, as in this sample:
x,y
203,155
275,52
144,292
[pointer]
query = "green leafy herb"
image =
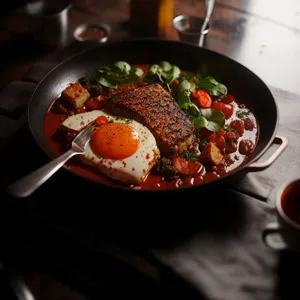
x,y
187,155
172,74
212,119
242,113
191,76
124,120
165,72
123,66
211,86
193,109
138,72
165,168
165,65
228,128
202,144
114,76
183,94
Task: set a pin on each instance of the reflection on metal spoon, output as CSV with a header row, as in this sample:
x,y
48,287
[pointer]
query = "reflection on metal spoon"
x,y
209,9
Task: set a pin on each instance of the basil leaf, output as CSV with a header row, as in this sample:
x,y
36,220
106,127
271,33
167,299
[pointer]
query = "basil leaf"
x,y
184,86
199,122
137,71
211,86
183,99
215,118
173,74
183,94
123,66
194,110
154,69
107,83
165,65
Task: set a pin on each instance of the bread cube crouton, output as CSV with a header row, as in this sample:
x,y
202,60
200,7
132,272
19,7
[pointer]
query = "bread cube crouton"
x,y
212,154
76,95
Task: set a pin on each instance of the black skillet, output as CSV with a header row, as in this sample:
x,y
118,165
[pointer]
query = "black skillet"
x,y
241,82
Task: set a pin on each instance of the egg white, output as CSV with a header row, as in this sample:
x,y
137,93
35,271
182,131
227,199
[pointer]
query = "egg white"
x,y
132,170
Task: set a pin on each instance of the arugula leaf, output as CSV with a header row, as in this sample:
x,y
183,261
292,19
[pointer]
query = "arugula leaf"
x,y
211,86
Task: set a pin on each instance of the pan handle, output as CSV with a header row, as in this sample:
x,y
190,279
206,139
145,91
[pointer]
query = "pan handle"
x,y
279,140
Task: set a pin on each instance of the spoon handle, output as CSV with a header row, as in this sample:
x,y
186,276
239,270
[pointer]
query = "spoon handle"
x,y
29,183
209,9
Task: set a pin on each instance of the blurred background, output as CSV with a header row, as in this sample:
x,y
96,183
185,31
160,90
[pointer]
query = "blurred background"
x,y
262,35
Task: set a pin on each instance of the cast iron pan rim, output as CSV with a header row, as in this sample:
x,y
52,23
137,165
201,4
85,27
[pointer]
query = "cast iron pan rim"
x,y
120,188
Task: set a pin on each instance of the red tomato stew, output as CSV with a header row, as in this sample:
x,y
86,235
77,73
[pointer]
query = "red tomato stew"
x,y
158,126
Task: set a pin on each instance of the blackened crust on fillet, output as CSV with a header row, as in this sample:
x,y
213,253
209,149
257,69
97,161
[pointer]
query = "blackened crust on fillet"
x,y
155,107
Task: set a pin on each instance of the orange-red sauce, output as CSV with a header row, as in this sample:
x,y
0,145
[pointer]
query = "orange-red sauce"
x,y
53,121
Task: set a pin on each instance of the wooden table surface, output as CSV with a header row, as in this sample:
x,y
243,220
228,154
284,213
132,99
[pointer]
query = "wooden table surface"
x,y
262,35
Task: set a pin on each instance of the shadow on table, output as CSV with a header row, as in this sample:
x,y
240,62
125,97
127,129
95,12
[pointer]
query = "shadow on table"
x,y
288,275
68,205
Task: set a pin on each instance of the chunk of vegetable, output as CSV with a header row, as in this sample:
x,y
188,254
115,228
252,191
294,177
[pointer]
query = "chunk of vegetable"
x,y
187,167
202,99
76,95
211,153
227,109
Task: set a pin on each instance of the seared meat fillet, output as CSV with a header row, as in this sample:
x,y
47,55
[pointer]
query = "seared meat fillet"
x,y
155,107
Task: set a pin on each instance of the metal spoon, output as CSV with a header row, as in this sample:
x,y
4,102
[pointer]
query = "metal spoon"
x,y
209,4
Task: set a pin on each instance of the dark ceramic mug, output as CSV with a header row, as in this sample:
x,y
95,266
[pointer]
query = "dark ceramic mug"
x,y
287,226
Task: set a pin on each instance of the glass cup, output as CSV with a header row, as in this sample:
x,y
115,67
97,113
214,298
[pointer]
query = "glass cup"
x,y
189,28
49,21
287,226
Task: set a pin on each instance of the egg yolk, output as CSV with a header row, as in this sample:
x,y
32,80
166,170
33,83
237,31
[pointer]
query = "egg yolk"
x,y
115,141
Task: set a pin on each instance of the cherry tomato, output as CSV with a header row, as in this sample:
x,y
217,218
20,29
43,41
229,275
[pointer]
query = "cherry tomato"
x,y
249,125
221,132
231,136
238,125
227,109
228,99
101,120
186,167
203,99
219,141
246,147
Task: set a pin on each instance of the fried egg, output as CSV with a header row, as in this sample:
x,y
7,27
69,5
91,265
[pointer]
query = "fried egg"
x,y
122,149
